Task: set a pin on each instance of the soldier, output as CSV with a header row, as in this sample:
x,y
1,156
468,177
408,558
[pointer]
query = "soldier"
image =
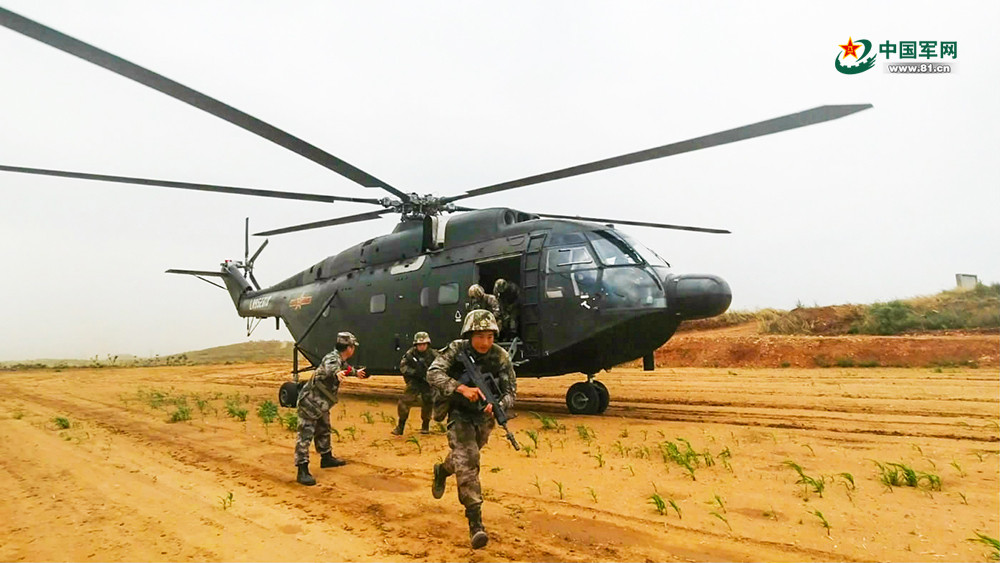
x,y
469,425
507,293
414,366
479,299
318,395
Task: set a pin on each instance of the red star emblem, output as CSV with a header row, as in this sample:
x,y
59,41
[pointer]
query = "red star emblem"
x,y
850,49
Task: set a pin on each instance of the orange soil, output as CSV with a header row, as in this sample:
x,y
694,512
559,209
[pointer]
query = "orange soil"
x,y
124,484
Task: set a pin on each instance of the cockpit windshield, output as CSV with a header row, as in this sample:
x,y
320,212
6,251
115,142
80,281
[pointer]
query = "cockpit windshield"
x,y
617,249
612,250
648,255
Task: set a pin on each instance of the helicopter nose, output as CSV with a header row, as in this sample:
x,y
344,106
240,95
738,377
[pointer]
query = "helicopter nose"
x,y
697,296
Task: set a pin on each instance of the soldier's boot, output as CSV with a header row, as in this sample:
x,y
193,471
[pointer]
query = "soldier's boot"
x,y
440,475
477,532
304,477
327,460
398,430
425,428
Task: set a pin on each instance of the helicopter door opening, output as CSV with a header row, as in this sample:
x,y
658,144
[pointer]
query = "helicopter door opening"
x,y
509,269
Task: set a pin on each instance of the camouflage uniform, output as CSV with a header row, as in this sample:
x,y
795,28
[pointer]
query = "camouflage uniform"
x,y
318,396
414,366
469,427
479,299
507,294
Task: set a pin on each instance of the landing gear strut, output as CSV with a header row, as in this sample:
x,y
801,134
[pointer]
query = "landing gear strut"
x,y
587,397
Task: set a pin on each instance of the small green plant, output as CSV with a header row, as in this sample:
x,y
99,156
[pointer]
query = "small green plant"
x,y
676,508
724,456
533,435
537,485
529,451
965,501
955,464
268,413
291,422
227,501
496,469
584,433
901,475
623,433
822,520
18,415
718,500
619,447
632,471
723,518
659,503
234,410
182,414
202,404
335,432
440,427
810,448
61,422
989,542
818,485
367,417
416,442
351,430
559,486
593,494
600,459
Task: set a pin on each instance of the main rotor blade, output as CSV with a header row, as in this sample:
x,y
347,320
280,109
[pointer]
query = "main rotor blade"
x,y
327,223
637,223
776,125
256,254
188,185
178,91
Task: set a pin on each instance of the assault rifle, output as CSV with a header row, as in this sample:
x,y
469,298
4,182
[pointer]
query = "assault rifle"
x,y
474,377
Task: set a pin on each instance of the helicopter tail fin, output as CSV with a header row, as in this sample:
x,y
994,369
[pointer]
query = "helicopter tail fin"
x,y
233,279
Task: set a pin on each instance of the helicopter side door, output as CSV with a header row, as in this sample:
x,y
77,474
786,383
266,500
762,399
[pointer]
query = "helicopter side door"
x,y
570,280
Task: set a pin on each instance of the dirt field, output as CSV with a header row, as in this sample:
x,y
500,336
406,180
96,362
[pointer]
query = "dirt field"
x,y
122,483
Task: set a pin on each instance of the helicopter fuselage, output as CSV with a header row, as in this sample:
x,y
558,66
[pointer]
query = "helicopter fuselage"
x,y
590,297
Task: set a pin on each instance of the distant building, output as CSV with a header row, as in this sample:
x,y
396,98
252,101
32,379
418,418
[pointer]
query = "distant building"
x,y
966,281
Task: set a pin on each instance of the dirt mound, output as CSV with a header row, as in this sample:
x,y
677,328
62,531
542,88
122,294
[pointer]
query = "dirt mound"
x,y
731,348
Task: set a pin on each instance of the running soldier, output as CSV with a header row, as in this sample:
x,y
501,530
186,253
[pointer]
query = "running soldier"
x,y
469,424
414,366
479,299
318,396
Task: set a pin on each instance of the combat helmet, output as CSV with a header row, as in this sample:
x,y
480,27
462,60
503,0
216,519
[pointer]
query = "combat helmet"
x,y
421,338
347,339
480,319
500,287
476,291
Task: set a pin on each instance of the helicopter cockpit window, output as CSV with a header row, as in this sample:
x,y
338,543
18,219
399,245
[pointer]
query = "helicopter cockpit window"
x,y
569,271
448,294
648,255
377,303
612,250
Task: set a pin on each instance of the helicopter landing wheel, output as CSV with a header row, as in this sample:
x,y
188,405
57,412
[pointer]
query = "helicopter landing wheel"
x,y
583,398
603,397
288,394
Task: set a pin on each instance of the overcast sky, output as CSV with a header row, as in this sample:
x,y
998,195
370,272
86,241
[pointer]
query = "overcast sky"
x,y
441,97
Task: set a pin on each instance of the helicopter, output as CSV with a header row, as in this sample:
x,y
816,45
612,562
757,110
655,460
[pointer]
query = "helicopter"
x,y
590,296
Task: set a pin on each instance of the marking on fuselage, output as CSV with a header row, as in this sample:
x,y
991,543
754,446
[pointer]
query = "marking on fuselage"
x,y
259,302
300,301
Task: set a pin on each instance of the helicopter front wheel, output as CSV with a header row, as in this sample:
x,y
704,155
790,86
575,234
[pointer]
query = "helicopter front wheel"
x,y
583,398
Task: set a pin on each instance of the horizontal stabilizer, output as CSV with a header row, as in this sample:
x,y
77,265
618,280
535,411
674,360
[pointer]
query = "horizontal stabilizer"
x,y
196,273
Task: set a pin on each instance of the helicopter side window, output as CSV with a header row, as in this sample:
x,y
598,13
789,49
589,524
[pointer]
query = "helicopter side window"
x,y
377,303
425,297
448,294
611,250
569,271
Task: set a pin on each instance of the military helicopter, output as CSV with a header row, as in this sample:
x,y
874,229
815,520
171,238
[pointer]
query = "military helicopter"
x,y
591,297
